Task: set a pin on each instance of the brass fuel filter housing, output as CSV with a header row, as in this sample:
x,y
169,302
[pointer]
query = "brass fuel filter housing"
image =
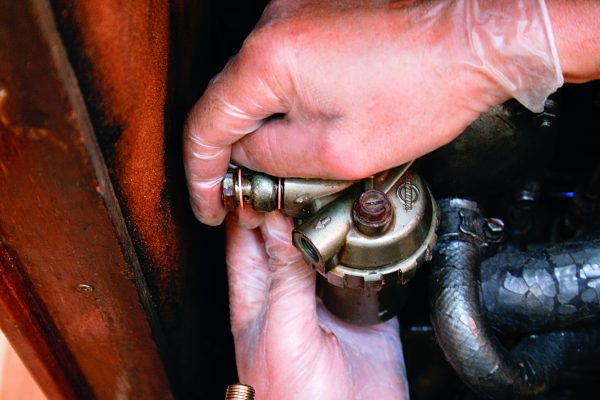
x,y
363,270
366,239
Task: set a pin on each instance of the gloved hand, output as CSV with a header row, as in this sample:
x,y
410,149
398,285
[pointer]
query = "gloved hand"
x,y
287,345
363,86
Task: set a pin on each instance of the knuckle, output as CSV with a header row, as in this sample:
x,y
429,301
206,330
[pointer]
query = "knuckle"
x,y
272,40
338,162
345,161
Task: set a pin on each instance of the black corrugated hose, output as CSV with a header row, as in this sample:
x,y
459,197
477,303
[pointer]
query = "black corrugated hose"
x,y
463,330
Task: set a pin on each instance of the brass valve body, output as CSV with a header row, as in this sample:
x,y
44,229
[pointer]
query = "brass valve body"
x,y
366,239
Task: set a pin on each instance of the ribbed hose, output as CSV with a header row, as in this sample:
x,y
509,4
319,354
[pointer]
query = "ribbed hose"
x,y
467,339
543,290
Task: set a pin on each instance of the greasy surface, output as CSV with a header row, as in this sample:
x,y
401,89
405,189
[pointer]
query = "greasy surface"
x,y
57,216
120,53
540,290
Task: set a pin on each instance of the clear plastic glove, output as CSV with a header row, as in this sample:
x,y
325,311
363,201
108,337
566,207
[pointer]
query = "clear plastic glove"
x,y
363,86
287,345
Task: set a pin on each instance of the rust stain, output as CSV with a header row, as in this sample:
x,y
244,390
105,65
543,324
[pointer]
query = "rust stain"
x,y
28,132
63,232
127,45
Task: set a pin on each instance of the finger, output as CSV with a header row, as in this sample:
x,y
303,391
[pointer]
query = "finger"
x,y
249,218
238,100
292,301
321,148
248,274
283,148
340,145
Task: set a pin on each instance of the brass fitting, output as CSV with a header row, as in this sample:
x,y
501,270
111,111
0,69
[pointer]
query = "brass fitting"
x,y
239,391
366,238
367,246
295,197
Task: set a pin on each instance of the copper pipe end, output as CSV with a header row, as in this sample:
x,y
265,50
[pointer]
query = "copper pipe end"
x,y
239,391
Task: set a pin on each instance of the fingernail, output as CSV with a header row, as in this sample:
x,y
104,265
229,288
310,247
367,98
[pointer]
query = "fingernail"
x,y
211,220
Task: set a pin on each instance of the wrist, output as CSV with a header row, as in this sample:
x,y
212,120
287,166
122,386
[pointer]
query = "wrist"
x,y
576,26
513,43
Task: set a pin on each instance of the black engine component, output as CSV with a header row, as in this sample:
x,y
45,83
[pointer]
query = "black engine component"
x,y
515,317
463,330
544,289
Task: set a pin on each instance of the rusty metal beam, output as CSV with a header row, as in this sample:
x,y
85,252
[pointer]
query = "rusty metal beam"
x,y
73,300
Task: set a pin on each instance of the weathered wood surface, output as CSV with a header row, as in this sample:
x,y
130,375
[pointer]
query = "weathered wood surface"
x,y
73,299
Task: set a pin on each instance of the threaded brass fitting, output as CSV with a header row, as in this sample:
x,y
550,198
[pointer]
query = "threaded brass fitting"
x,y
239,391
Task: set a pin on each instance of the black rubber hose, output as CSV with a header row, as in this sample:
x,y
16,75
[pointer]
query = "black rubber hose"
x,y
543,290
466,336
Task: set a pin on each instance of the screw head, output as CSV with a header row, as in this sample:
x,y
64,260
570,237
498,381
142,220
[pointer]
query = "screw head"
x,y
372,212
84,288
